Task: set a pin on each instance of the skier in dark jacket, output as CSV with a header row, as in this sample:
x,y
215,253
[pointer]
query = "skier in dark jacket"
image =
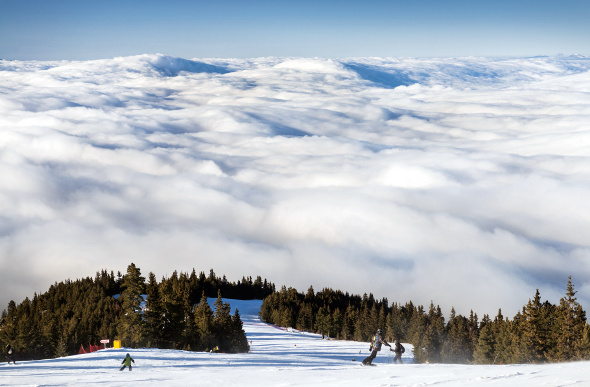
x,y
127,362
10,354
398,348
375,347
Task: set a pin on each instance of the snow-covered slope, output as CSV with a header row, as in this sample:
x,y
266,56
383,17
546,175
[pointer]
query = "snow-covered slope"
x,y
277,358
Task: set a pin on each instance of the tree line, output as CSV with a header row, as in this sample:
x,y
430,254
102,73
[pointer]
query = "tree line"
x,y
176,314
541,332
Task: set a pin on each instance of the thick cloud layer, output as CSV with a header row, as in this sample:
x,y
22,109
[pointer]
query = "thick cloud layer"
x,y
461,181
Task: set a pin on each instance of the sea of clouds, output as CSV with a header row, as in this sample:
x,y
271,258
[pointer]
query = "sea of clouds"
x,y
459,181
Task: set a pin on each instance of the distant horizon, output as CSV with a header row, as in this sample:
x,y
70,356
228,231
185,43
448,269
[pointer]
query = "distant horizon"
x,y
192,58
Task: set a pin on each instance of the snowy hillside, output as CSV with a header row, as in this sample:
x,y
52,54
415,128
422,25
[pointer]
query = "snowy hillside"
x,y
277,358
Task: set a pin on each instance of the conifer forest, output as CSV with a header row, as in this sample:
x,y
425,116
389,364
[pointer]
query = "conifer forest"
x,y
541,332
174,314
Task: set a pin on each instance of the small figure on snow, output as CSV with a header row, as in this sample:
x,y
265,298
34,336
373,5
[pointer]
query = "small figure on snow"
x,y
375,347
10,354
127,362
398,348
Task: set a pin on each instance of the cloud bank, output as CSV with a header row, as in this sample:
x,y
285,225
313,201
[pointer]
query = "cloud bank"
x,y
461,181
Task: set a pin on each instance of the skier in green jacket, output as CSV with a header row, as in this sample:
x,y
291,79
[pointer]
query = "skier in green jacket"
x,y
127,362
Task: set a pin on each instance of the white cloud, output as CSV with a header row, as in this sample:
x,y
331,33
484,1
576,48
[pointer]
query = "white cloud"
x,y
462,181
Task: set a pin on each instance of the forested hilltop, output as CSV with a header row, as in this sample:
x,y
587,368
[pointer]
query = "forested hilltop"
x,y
541,332
175,315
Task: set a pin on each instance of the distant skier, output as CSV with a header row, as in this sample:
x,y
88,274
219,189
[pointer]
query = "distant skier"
x,y
127,362
375,347
398,348
10,354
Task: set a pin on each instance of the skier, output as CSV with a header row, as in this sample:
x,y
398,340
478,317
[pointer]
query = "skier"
x,y
398,349
375,347
127,362
10,354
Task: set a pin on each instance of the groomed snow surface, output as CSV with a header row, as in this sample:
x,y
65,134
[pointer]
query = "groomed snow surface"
x,y
278,358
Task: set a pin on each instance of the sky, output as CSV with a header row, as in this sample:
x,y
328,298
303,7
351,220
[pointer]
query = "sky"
x,y
462,182
83,30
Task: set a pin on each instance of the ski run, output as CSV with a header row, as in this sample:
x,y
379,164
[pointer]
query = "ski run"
x,y
278,357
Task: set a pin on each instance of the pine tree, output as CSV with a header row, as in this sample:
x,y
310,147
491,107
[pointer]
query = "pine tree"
x,y
337,320
516,348
473,327
287,317
189,332
222,324
484,351
24,336
173,314
583,351
534,332
204,324
393,324
350,316
305,318
457,346
239,342
266,308
572,319
310,295
433,335
322,321
154,315
61,350
503,339
382,317
416,334
373,321
551,329
132,329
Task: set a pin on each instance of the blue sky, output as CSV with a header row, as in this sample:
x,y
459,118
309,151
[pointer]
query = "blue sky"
x,y
64,29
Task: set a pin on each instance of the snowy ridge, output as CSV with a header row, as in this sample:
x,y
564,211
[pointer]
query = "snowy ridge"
x,y
277,358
